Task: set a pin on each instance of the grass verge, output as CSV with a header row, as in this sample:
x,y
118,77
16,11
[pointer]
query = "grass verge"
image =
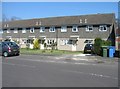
x,y
47,52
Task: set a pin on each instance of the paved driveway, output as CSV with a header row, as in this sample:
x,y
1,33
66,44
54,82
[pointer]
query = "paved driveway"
x,y
57,71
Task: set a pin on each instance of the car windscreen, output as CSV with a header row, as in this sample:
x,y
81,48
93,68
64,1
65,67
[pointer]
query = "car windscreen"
x,y
89,45
11,44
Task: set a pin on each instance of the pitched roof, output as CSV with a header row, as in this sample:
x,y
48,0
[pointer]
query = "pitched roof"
x,y
65,20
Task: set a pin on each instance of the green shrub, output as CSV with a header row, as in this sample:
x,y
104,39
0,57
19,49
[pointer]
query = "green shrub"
x,y
36,44
106,43
98,43
97,46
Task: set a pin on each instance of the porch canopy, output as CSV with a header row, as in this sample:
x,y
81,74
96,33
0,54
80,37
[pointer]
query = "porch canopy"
x,y
74,38
42,37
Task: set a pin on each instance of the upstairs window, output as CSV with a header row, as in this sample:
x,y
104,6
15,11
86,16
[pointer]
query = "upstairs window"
x,y
85,20
74,29
42,29
38,23
103,28
6,25
15,31
89,28
24,30
32,30
63,29
52,29
80,21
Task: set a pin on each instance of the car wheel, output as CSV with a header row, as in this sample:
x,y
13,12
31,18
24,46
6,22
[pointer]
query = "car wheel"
x,y
17,54
5,54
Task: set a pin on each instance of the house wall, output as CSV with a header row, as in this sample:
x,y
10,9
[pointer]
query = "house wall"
x,y
58,36
63,47
81,44
82,33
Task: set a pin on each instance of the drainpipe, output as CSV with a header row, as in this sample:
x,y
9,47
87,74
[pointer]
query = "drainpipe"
x,y
57,38
19,38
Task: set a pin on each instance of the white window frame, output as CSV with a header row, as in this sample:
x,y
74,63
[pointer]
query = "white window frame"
x,y
15,31
8,31
6,25
85,20
52,29
37,23
102,26
75,27
64,42
80,20
49,42
64,29
24,30
42,29
31,30
88,28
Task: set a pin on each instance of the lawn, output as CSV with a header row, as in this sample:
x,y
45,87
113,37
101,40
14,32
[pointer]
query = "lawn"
x,y
50,52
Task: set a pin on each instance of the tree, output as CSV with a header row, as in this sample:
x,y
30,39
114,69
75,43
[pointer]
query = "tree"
x,y
97,46
106,43
36,44
13,18
99,43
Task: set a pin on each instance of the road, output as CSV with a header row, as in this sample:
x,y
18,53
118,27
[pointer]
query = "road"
x,y
51,71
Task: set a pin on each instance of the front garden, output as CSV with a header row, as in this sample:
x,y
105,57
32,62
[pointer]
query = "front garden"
x,y
47,51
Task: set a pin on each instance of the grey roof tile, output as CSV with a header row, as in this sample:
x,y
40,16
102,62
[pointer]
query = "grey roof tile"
x,y
64,20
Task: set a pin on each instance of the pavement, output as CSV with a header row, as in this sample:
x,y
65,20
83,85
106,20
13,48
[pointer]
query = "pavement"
x,y
88,58
82,70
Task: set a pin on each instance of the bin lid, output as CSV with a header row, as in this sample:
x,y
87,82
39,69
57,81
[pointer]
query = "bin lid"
x,y
113,47
104,46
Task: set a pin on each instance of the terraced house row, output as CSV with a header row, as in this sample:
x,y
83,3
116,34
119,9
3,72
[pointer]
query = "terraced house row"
x,y
69,32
